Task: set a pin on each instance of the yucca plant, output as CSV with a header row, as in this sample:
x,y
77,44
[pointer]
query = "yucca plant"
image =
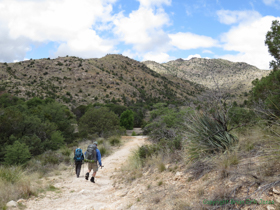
x,y
208,134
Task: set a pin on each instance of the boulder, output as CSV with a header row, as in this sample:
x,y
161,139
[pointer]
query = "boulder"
x,y
11,204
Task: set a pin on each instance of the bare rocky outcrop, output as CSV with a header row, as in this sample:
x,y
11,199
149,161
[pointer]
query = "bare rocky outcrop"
x,y
235,75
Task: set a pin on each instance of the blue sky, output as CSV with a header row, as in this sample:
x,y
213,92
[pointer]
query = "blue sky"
x,y
159,30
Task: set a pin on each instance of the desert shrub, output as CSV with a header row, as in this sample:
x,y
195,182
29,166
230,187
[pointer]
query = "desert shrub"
x,y
207,135
103,150
51,157
267,90
166,125
133,134
148,150
18,153
104,121
79,111
100,141
11,174
115,140
15,183
117,109
127,119
39,124
161,167
65,151
238,115
7,100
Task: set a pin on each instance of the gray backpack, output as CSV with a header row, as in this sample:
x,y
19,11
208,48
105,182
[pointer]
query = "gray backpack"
x,y
91,153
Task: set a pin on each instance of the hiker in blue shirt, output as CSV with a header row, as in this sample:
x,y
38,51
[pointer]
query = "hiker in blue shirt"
x,y
92,165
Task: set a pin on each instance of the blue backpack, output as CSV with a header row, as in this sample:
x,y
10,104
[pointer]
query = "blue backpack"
x,y
78,155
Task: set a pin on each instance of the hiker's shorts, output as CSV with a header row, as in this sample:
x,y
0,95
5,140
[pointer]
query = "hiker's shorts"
x,y
93,166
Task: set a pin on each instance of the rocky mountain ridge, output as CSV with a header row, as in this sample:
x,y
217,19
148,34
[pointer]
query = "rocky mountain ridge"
x,y
113,78
237,76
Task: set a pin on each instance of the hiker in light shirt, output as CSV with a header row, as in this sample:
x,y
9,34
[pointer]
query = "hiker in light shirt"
x,y
92,165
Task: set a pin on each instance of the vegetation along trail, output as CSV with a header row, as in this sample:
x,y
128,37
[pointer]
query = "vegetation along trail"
x,y
78,193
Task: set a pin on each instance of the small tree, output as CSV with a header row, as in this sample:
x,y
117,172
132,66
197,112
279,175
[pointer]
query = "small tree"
x,y
127,119
273,43
99,120
18,153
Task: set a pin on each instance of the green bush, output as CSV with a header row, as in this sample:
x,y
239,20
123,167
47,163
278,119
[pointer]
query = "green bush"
x,y
267,90
39,124
148,150
103,151
51,157
115,140
238,115
18,153
100,141
127,119
133,134
99,121
66,151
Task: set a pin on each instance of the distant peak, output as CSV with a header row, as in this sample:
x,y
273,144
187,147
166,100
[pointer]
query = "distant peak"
x,y
180,60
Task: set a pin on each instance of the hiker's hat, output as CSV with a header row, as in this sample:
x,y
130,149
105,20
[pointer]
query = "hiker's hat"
x,y
95,143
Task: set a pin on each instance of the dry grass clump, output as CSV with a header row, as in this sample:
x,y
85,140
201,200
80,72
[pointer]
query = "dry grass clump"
x,y
181,205
156,200
161,167
16,183
115,140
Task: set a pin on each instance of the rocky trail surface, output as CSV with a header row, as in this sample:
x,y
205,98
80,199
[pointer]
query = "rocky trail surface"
x,y
78,193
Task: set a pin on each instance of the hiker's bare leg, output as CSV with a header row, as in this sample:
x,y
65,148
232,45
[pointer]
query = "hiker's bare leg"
x,y
94,173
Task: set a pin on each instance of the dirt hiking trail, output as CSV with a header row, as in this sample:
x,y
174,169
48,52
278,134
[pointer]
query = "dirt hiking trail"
x,y
78,193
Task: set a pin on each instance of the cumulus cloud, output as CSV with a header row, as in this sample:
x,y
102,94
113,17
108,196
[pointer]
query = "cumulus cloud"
x,y
230,17
271,2
12,49
247,39
158,57
55,20
193,56
187,41
207,51
143,29
149,3
86,44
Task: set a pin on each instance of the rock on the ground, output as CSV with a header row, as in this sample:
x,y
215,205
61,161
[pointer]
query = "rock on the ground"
x,y
178,175
275,191
21,200
270,208
11,204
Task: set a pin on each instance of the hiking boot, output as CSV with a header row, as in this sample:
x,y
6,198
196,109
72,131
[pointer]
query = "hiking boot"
x,y
87,175
92,180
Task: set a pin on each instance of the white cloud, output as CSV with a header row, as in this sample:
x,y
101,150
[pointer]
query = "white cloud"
x,y
192,56
270,2
12,49
247,39
230,17
157,56
143,29
207,51
55,20
149,3
87,45
187,41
